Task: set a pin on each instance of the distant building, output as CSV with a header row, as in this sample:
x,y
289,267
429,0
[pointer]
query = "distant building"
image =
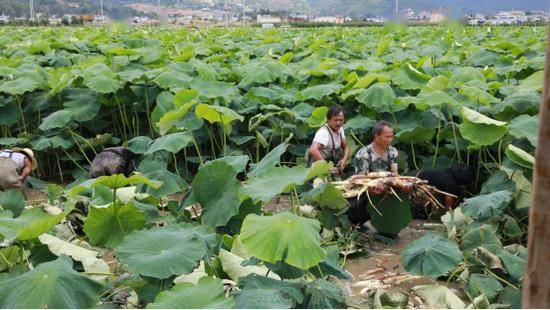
x,y
267,19
408,14
424,16
99,19
437,18
509,18
4,19
536,16
329,19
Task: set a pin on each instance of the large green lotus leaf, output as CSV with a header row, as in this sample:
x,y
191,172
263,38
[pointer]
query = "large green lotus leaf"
x,y
381,299
485,236
463,75
50,285
55,142
532,82
108,226
431,255
172,143
438,296
416,135
161,252
29,225
217,114
481,129
271,289
83,103
359,124
212,90
318,117
523,187
12,200
13,141
435,99
322,294
172,80
275,181
102,84
119,180
477,94
283,236
173,118
58,119
139,145
396,215
525,126
19,86
482,58
483,284
256,76
328,196
10,113
370,78
218,191
157,170
510,296
511,228
331,265
268,161
488,206
255,298
206,71
516,104
238,163
208,293
408,77
379,97
318,92
88,258
515,265
231,264
520,157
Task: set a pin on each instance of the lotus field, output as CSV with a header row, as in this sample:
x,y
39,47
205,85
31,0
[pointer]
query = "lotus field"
x,y
222,119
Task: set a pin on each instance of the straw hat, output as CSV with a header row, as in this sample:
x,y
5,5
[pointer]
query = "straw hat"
x,y
29,153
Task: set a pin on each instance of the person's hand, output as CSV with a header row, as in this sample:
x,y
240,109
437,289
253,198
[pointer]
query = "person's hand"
x,y
334,170
341,165
379,188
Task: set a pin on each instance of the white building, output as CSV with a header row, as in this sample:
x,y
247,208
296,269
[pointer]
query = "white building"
x,y
267,19
328,19
4,19
536,16
509,18
437,17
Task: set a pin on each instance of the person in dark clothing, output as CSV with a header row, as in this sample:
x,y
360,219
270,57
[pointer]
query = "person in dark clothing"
x,y
449,181
113,160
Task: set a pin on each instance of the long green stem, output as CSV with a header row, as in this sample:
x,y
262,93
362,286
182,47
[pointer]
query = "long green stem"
x,y
176,164
122,118
74,161
458,157
413,156
436,141
22,114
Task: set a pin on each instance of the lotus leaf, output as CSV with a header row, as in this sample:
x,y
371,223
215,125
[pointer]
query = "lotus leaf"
x,y
108,226
52,285
161,252
520,157
172,143
525,126
208,293
438,296
283,236
12,200
431,255
481,129
30,224
488,206
217,190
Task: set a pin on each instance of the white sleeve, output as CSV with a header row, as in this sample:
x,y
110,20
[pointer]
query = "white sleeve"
x,y
322,136
342,133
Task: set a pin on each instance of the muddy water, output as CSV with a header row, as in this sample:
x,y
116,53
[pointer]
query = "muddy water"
x,y
383,264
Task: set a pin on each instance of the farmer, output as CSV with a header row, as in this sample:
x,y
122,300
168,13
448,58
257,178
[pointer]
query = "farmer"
x,y
113,160
15,165
375,157
329,143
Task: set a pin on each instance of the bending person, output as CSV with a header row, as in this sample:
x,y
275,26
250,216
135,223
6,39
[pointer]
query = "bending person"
x,y
329,143
15,165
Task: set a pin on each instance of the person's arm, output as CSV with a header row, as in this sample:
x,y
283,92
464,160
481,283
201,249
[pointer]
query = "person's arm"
x,y
26,170
344,161
315,151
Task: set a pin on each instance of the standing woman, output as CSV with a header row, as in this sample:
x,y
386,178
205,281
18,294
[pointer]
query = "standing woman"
x,y
15,165
329,143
